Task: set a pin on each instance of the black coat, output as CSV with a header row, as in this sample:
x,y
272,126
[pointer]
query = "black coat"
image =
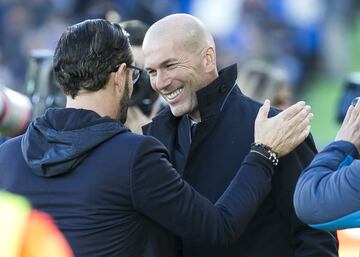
x,y
114,193
221,142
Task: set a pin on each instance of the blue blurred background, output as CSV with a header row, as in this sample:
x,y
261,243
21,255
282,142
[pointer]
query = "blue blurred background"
x,y
314,42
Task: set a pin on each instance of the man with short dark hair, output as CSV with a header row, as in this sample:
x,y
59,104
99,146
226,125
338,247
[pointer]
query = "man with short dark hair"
x,y
112,192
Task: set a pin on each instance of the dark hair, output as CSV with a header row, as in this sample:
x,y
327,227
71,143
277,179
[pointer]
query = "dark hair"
x,y
87,53
137,30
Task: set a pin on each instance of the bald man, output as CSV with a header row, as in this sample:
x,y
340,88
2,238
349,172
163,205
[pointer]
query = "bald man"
x,y
208,130
114,193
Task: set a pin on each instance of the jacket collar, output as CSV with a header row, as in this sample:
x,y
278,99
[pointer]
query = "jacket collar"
x,y
212,98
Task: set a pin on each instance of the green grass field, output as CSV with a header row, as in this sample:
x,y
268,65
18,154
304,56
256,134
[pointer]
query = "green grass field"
x,y
323,94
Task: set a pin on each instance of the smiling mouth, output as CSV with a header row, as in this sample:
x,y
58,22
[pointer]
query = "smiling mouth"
x,y
174,94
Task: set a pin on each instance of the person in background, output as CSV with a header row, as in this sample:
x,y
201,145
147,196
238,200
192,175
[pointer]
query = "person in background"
x,y
259,81
327,195
208,130
144,102
28,233
113,192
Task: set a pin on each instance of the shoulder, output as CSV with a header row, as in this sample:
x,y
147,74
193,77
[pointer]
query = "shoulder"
x,y
248,107
151,146
134,138
10,144
136,142
10,151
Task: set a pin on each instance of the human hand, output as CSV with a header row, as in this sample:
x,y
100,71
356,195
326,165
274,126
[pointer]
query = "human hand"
x,y
350,128
285,131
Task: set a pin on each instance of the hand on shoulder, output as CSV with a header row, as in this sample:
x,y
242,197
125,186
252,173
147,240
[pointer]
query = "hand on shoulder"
x,y
285,131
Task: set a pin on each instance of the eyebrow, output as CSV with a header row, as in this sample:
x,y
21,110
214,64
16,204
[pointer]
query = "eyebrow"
x,y
163,64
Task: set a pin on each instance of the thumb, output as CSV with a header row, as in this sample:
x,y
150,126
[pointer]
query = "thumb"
x,y
264,111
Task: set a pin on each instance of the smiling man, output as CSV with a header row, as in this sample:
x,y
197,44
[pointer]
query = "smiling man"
x,y
208,130
114,193
182,55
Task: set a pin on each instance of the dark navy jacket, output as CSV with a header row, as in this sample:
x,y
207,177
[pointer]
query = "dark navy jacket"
x,y
114,193
327,195
220,144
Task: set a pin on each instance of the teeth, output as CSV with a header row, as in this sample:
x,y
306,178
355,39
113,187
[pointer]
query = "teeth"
x,y
174,94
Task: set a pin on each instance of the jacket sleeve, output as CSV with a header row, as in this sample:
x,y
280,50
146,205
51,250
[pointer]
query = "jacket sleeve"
x,y
159,193
306,241
327,195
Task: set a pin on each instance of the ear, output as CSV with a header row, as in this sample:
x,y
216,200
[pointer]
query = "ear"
x,y
210,59
120,76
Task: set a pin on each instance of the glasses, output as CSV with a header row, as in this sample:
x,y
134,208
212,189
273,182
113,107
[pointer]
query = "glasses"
x,y
136,73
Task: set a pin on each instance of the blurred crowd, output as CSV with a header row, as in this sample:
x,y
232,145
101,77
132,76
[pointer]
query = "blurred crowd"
x,y
299,37
278,44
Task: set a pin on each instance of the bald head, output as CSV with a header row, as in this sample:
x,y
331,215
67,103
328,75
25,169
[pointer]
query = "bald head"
x,y
180,58
185,30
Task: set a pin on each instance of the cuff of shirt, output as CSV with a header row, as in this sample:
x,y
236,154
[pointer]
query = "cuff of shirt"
x,y
261,161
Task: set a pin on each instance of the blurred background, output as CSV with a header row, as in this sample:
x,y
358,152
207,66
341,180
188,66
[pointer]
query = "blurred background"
x,y
286,50
308,47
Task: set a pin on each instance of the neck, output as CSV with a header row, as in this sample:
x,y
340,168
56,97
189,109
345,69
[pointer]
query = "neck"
x,y
95,101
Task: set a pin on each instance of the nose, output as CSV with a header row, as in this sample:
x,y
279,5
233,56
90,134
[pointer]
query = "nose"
x,y
161,81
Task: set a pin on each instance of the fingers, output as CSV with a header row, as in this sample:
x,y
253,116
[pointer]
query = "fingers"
x,y
348,114
292,110
302,136
284,131
357,121
291,143
263,111
302,123
300,117
304,126
297,129
355,113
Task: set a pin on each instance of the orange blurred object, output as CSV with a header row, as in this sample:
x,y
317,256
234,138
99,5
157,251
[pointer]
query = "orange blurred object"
x,y
349,242
43,239
28,233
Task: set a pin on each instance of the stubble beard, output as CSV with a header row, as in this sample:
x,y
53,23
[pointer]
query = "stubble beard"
x,y
124,103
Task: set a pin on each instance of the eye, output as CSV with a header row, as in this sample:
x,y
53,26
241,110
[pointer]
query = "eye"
x,y
171,66
151,73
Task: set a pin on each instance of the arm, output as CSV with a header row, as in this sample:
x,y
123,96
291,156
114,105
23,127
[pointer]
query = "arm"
x,y
327,197
332,185
159,193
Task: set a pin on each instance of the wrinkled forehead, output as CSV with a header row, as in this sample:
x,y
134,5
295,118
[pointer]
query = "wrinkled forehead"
x,y
159,50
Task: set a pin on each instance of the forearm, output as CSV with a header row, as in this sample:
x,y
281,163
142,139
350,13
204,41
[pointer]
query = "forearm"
x,y
325,194
160,194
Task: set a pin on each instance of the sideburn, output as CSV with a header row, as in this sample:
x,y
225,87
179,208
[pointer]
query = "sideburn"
x,y
124,102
